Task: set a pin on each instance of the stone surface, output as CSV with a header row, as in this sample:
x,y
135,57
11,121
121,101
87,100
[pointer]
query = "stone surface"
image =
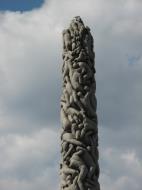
x,y
79,168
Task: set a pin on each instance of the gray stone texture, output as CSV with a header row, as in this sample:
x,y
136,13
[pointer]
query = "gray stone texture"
x,y
79,169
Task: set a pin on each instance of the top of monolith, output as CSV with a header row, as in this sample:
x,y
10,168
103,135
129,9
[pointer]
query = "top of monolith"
x,y
78,38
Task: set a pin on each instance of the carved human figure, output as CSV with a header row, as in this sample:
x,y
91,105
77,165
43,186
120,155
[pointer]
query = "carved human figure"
x,y
67,173
70,138
67,40
77,163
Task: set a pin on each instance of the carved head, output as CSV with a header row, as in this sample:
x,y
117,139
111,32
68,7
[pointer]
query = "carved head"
x,y
77,19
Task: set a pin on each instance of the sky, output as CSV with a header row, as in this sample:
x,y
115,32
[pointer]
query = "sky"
x,y
30,90
20,5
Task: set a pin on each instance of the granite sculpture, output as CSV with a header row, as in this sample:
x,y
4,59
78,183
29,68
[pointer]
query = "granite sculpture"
x,y
79,168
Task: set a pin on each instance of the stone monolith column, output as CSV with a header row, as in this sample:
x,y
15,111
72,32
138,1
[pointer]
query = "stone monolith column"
x,y
79,169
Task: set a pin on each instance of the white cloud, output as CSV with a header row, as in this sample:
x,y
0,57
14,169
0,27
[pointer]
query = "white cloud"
x,y
28,64
122,169
39,147
30,87
29,160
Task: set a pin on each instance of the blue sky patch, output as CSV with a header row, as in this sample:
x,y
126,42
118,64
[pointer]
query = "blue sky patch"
x,y
133,59
20,5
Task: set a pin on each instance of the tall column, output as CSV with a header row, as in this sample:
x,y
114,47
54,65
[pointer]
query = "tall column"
x,y
79,169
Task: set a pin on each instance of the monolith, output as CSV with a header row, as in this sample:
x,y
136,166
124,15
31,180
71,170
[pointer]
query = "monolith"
x,y
79,168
